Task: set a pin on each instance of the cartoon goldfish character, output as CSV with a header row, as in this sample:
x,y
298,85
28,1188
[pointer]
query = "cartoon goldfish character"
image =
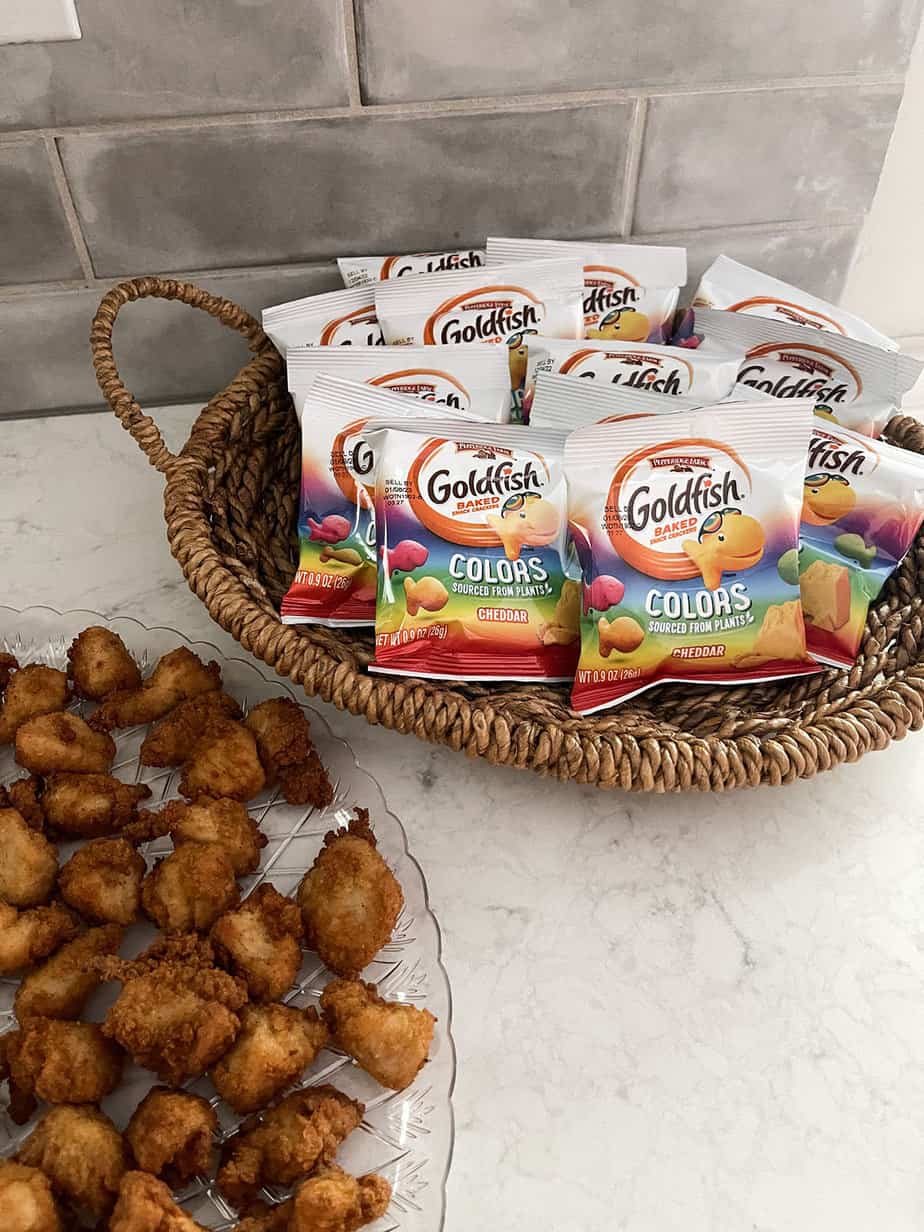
x,y
728,541
623,325
524,519
331,529
826,498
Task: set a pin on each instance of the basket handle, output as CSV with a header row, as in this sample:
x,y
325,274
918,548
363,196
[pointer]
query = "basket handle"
x,y
125,407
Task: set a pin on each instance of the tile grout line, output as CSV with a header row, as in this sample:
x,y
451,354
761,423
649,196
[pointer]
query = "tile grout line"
x,y
351,36
633,165
59,175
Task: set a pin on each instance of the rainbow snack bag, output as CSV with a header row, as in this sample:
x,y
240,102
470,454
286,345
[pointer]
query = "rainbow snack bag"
x,y
335,580
471,527
504,304
630,290
735,287
863,502
855,384
362,271
470,378
565,403
679,522
707,373
336,318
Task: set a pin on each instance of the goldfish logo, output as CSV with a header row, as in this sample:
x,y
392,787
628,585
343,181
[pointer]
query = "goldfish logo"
x,y
488,314
428,384
633,369
430,263
358,328
830,452
607,288
800,370
352,463
782,309
728,541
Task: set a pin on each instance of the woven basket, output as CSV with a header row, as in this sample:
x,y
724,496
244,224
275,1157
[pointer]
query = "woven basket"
x,y
231,505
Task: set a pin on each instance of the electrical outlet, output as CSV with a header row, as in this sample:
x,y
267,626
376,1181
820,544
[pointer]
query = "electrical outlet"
x,y
38,21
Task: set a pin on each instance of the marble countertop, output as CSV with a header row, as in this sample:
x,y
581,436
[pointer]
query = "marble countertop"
x,y
685,1014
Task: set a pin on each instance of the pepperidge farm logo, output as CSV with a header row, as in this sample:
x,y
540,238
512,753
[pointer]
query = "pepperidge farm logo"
x,y
488,314
636,369
800,370
428,384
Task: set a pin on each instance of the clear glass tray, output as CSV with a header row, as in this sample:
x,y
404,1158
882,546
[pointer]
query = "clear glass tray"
x,y
406,1136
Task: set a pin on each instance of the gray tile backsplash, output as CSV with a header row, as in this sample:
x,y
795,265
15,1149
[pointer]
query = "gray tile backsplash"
x,y
259,139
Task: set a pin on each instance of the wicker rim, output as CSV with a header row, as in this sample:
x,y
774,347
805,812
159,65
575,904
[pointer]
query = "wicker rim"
x,y
879,700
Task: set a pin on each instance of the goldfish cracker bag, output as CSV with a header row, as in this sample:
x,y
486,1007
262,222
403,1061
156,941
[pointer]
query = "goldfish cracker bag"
x,y
707,373
472,534
735,287
680,523
856,384
863,505
337,318
470,378
362,271
565,403
630,290
335,580
504,304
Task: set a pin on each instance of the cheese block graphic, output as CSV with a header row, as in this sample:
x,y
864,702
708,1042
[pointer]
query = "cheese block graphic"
x,y
782,633
825,590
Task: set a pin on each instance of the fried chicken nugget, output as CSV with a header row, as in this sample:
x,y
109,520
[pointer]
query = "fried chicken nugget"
x,y
28,862
145,1204
99,664
190,888
265,1218
63,741
82,1154
103,881
91,805
177,677
26,937
389,1039
31,691
26,1200
170,1134
334,1201
287,752
8,664
349,898
223,762
25,795
61,1063
61,987
259,941
284,1143
276,1044
170,739
175,1014
222,823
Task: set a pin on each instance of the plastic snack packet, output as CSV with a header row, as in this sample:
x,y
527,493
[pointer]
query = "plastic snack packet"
x,y
858,385
679,522
566,403
630,290
472,532
363,271
335,580
336,318
504,304
470,378
708,373
735,287
863,506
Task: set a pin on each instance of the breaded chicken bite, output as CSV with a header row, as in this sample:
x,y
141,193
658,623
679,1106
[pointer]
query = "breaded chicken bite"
x,y
61,987
82,1154
177,677
264,1218
99,663
223,762
349,899
26,937
334,1201
8,664
28,862
54,742
31,691
260,941
276,1045
145,1204
25,796
170,739
59,1062
102,880
222,823
91,805
26,1200
301,1132
389,1039
170,1134
287,752
190,888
